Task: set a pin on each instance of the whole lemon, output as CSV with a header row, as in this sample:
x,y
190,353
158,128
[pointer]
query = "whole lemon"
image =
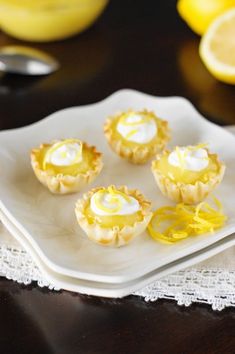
x,y
200,13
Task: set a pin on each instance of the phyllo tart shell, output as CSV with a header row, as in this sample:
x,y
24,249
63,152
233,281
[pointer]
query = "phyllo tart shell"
x,y
63,182
134,152
188,193
115,235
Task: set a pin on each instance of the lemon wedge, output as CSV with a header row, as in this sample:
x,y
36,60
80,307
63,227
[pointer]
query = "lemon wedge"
x,y
217,48
199,14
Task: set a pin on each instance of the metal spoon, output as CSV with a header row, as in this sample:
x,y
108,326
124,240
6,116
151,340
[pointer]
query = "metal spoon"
x,y
26,61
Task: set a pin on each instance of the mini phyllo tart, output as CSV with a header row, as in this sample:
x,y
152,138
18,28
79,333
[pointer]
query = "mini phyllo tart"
x,y
136,136
113,216
66,166
188,174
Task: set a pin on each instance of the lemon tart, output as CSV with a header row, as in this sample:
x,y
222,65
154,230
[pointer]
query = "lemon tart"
x,y
66,166
187,174
136,136
113,216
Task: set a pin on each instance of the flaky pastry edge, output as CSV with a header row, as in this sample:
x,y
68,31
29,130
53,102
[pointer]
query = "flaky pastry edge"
x,y
138,154
186,192
114,236
64,184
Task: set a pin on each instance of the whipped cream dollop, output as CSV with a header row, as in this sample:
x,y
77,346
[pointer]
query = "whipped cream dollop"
x,y
104,203
65,153
137,128
189,158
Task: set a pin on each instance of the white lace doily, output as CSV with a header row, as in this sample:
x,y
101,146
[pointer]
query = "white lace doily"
x,y
211,282
205,285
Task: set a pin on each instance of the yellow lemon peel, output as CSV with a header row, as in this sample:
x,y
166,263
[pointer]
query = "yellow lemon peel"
x,y
132,132
198,146
57,145
186,220
114,191
145,118
181,157
114,200
183,154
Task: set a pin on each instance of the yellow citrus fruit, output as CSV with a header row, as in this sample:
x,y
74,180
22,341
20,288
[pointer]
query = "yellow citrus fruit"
x,y
217,47
200,13
48,20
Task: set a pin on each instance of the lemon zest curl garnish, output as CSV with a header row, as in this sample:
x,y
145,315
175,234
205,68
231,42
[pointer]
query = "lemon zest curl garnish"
x,y
57,145
132,132
145,118
182,155
114,200
186,220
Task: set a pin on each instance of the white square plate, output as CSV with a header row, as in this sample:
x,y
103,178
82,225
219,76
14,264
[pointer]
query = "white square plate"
x,y
119,289
48,222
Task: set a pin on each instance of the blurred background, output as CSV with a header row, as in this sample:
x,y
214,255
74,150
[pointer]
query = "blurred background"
x,y
141,44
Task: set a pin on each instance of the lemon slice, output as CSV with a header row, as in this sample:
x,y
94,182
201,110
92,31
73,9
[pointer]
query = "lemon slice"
x,y
217,48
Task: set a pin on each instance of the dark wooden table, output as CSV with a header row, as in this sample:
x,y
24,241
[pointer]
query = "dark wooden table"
x,y
135,44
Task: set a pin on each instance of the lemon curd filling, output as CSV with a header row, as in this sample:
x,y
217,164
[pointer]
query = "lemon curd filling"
x,y
110,207
182,173
137,128
114,220
67,157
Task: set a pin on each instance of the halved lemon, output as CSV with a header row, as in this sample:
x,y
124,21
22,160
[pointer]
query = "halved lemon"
x,y
217,47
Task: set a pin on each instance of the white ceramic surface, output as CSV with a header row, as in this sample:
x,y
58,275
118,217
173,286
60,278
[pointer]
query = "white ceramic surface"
x,y
48,221
115,290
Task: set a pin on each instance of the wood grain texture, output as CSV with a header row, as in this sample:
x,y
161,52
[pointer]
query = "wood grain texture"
x,y
136,44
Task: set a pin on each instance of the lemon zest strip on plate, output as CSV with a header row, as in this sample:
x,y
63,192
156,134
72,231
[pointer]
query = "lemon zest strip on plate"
x,y
184,221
